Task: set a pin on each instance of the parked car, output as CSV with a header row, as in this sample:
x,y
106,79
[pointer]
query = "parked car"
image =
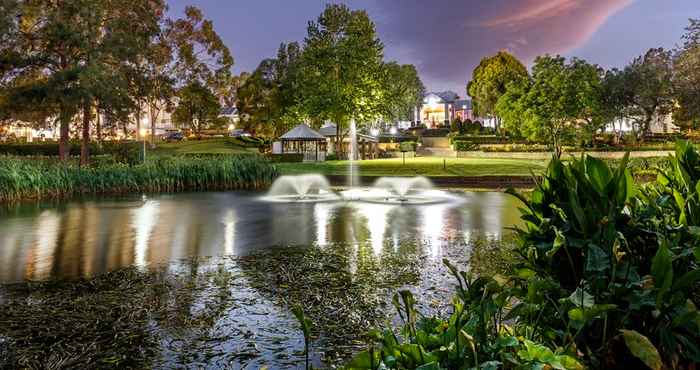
x,y
174,136
238,133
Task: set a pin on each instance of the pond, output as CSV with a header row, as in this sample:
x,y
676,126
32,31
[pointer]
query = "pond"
x,y
208,279
85,238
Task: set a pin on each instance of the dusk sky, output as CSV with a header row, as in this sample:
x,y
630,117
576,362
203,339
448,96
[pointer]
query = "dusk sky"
x,y
445,39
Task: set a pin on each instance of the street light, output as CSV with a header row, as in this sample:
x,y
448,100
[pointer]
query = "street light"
x,y
374,132
143,133
393,131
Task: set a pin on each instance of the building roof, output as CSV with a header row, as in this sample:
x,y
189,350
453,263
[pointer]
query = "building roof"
x,y
460,104
302,132
447,96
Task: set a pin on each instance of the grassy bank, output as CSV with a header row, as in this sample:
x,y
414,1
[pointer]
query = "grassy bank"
x,y
23,179
424,166
211,146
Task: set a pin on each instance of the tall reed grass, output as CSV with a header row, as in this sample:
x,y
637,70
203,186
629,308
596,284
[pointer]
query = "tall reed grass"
x,y
25,179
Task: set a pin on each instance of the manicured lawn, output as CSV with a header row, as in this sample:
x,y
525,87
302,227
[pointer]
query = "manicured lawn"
x,y
424,166
211,146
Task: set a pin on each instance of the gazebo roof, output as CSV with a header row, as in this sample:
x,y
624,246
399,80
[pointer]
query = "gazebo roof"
x,y
302,132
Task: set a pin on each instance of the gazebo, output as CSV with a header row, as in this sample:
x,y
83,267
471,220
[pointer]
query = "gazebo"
x,y
303,140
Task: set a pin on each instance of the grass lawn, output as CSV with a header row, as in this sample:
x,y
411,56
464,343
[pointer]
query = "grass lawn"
x,y
212,146
423,166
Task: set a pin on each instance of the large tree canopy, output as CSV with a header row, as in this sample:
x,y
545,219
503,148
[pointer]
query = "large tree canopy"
x,y
197,108
558,98
686,79
404,91
649,82
72,53
342,67
490,80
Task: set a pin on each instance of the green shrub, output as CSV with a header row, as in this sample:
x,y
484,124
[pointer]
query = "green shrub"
x,y
464,146
41,179
408,146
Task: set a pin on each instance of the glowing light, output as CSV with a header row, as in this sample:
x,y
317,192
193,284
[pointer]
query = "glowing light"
x,y
374,132
229,221
143,132
144,220
231,127
393,131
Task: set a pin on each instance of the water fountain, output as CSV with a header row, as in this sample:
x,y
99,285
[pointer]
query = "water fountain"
x,y
402,190
301,188
387,190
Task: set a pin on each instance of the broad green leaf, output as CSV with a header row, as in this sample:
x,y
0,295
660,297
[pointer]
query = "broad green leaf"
x,y
642,348
687,280
596,259
559,241
662,270
576,314
599,174
570,363
491,365
581,298
694,230
364,360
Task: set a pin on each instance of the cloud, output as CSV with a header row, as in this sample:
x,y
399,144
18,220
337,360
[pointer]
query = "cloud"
x,y
447,38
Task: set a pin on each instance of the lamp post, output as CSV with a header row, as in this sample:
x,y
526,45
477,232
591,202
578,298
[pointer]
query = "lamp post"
x,y
143,134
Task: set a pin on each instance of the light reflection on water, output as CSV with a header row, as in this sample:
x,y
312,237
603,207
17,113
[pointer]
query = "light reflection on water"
x,y
89,237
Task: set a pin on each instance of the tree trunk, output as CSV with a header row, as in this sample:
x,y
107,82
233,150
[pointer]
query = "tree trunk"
x,y
137,134
85,144
63,143
154,117
98,126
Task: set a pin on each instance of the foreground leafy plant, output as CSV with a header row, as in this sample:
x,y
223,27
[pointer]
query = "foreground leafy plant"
x,y
474,336
602,255
305,324
607,276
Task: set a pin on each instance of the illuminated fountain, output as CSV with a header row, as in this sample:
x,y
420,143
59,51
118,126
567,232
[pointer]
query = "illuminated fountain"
x,y
400,190
301,188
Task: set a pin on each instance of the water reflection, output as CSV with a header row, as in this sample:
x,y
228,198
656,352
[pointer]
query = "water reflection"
x,y
85,238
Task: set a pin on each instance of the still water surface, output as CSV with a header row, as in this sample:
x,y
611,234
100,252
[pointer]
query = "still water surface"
x,y
85,238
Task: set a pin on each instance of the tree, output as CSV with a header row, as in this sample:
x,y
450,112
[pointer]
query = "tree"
x,y
686,79
490,80
558,98
258,99
404,90
79,51
187,51
269,99
616,96
197,108
511,106
591,112
342,73
649,79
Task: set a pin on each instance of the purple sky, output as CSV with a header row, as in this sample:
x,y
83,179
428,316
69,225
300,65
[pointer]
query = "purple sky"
x,y
445,39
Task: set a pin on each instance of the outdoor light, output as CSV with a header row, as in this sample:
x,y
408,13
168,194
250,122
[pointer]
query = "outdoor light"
x,y
374,132
393,131
231,127
143,133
